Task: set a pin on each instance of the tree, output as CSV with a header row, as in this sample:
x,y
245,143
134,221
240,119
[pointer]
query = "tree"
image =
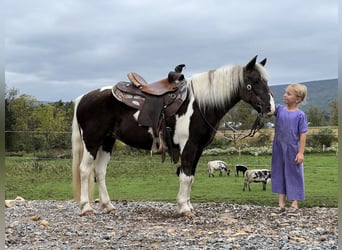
x,y
324,136
242,116
334,113
22,108
10,118
315,117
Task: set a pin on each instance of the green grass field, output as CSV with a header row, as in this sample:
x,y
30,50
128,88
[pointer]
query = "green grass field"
x,y
144,178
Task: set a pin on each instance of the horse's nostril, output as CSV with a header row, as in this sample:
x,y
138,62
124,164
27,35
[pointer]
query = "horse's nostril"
x,y
259,107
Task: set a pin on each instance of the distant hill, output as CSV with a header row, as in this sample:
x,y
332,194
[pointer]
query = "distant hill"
x,y
320,94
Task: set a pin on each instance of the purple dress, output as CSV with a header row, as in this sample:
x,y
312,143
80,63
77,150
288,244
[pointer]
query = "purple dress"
x,y
287,177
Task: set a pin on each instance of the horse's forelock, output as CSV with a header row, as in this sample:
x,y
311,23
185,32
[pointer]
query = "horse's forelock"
x,y
215,87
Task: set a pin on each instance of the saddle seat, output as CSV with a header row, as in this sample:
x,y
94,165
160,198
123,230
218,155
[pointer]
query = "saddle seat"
x,y
158,88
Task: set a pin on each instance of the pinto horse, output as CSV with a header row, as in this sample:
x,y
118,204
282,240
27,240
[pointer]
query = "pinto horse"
x,y
100,119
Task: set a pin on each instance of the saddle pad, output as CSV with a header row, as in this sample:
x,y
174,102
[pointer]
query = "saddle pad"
x,y
132,96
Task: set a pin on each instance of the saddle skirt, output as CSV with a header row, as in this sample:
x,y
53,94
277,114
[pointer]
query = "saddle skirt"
x,y
156,102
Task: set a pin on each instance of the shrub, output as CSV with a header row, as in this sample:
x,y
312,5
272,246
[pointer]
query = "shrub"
x,y
325,136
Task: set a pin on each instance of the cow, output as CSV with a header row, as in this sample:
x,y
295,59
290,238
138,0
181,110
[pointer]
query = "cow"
x,y
217,165
256,175
240,168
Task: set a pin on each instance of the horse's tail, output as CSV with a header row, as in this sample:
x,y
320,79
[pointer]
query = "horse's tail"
x,y
77,154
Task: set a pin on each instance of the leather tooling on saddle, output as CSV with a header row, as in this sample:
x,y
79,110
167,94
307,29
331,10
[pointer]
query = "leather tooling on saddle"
x,y
156,102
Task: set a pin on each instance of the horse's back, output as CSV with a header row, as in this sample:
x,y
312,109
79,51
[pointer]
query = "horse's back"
x,y
95,114
103,119
94,99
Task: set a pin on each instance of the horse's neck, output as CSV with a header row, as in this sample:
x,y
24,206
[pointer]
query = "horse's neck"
x,y
229,105
213,115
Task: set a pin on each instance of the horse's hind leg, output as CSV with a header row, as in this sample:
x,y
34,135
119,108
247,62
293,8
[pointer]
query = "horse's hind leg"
x,y
101,163
86,167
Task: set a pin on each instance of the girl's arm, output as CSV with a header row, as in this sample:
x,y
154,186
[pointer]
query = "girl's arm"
x,y
300,155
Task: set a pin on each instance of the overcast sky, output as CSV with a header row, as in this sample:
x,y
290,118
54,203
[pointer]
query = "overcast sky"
x,y
58,50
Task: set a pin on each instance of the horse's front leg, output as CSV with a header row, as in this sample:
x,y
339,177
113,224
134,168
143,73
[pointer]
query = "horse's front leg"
x,y
190,157
101,164
183,199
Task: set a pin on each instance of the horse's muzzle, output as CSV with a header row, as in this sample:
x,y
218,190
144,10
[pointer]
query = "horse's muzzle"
x,y
271,107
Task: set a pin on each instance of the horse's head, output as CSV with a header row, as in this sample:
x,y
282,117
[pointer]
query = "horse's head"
x,y
255,90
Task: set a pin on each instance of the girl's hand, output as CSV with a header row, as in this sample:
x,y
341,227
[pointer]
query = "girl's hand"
x,y
299,158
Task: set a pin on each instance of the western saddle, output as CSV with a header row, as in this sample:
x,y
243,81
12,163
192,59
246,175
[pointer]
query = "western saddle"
x,y
156,102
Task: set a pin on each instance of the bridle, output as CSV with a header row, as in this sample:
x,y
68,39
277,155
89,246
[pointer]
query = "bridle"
x,y
257,125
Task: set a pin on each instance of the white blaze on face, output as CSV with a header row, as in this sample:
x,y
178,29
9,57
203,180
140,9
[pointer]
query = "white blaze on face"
x,y
182,126
272,103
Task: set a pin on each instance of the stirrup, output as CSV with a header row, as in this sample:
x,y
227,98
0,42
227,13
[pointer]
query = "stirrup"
x,y
158,145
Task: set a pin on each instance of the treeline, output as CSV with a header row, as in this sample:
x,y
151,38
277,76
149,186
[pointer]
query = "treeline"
x,y
34,126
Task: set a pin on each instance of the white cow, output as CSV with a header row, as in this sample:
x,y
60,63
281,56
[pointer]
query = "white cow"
x,y
217,165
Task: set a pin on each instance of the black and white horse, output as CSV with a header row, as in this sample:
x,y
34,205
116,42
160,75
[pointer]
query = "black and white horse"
x,y
100,119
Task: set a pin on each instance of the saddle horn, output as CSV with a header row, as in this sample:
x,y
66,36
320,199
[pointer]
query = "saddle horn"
x,y
175,76
179,68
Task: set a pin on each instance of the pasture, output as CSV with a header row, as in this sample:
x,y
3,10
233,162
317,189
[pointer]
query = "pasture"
x,y
140,177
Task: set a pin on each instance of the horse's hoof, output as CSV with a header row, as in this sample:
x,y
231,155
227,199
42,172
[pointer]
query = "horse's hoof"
x,y
193,211
87,213
112,211
189,214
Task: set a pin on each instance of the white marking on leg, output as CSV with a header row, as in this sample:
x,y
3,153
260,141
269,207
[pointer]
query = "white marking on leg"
x,y
183,198
101,163
86,167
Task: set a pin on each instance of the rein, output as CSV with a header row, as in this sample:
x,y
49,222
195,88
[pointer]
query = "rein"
x,y
257,125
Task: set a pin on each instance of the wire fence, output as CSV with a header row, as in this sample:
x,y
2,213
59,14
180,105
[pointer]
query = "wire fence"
x,y
57,144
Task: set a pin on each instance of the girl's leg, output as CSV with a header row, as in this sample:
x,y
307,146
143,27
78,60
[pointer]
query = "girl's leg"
x,y
282,200
294,204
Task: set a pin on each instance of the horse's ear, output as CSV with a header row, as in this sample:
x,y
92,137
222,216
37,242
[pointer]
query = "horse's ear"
x,y
263,62
251,64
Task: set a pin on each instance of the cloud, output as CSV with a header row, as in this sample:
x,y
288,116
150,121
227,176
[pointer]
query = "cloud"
x,y
87,44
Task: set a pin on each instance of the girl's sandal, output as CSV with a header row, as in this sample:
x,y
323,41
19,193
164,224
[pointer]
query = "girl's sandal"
x,y
293,210
280,210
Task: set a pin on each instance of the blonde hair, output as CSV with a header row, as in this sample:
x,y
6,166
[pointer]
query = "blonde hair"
x,y
300,90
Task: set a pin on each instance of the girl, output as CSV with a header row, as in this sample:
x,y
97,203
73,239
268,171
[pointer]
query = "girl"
x,y
287,170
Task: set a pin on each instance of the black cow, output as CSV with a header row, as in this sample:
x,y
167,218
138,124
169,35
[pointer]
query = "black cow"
x,y
240,168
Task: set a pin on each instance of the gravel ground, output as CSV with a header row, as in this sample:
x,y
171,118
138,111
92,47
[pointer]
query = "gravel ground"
x,y
156,225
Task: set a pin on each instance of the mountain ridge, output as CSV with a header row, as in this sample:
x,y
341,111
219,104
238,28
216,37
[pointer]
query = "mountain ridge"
x,y
321,93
